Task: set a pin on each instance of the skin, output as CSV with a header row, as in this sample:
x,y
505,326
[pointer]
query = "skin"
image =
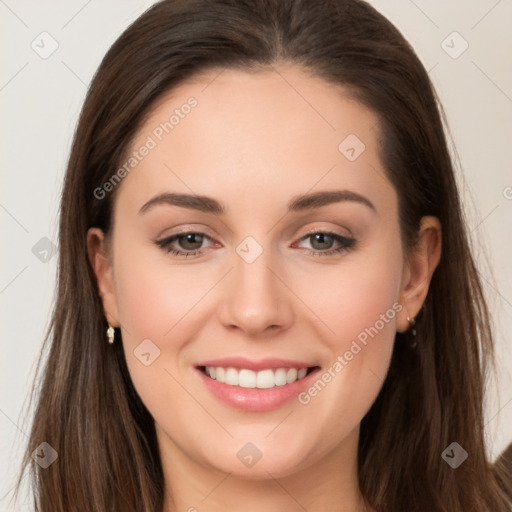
x,y
254,142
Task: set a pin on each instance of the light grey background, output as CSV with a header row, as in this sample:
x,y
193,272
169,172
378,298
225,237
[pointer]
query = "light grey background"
x,y
40,100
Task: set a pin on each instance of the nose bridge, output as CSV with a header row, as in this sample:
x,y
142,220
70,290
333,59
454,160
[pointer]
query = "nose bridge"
x,y
255,279
256,299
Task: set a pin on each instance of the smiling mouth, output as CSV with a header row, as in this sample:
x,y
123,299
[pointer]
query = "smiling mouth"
x,y
263,379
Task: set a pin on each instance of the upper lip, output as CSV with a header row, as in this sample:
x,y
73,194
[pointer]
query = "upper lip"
x,y
250,364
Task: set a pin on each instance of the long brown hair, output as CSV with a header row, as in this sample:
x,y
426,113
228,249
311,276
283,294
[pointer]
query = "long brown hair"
x,y
88,409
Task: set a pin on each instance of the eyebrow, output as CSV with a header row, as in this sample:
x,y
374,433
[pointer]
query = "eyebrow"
x,y
299,203
319,199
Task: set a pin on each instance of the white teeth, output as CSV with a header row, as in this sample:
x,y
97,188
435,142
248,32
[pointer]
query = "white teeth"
x,y
302,373
231,377
291,375
280,377
247,379
263,379
220,374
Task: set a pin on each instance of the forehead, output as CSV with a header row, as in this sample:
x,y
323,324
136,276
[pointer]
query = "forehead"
x,y
246,135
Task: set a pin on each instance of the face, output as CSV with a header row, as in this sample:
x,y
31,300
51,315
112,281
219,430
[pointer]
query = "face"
x,y
288,263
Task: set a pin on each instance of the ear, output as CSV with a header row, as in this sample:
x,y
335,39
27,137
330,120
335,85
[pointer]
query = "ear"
x,y
418,270
101,263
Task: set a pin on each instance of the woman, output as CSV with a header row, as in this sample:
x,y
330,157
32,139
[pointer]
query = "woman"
x,y
266,298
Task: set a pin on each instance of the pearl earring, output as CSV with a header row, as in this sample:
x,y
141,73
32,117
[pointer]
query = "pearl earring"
x,y
110,334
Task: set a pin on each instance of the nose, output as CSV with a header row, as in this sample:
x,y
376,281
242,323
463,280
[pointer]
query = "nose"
x,y
255,299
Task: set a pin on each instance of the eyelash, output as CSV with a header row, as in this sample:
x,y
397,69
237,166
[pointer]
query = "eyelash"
x,y
347,243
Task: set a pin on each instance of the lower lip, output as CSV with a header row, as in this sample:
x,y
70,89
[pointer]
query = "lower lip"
x,y
255,399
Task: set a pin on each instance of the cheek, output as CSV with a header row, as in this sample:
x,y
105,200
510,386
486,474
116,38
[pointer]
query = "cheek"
x,y
366,306
153,307
358,301
152,296
357,296
167,304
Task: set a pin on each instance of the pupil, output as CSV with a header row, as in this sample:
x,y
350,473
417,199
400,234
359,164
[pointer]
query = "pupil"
x,y
191,242
326,240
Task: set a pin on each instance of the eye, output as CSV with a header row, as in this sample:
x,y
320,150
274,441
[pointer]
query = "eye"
x,y
189,244
325,243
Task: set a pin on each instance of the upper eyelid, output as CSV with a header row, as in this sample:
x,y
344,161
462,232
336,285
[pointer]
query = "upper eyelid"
x,y
326,231
313,231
